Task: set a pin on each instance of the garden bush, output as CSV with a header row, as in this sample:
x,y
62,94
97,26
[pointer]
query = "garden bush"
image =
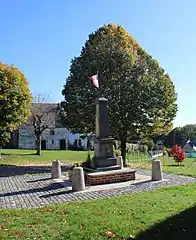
x,y
117,152
178,153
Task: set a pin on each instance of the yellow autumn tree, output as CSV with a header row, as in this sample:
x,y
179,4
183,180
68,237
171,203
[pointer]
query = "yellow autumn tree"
x,y
15,100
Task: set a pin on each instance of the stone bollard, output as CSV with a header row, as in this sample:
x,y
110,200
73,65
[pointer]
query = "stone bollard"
x,y
56,169
157,174
119,161
78,183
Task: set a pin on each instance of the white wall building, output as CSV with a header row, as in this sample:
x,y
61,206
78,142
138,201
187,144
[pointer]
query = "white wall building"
x,y
54,138
57,138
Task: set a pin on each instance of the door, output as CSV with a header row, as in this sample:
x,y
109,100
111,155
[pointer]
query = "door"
x,y
43,144
88,144
62,144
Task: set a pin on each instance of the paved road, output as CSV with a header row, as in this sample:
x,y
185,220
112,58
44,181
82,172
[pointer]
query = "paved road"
x,y
23,191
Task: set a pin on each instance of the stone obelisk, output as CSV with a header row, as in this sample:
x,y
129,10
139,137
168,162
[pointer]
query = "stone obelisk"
x,y
104,157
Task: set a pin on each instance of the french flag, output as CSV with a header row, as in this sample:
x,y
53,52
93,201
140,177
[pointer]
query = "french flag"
x,y
94,79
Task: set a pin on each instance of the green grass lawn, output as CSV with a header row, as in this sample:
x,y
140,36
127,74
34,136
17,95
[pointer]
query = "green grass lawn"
x,y
111,218
187,168
23,157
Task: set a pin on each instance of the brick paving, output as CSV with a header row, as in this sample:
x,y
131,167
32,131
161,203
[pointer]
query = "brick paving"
x,y
23,191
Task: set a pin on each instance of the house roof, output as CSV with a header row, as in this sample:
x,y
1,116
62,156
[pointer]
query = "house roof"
x,y
49,113
192,143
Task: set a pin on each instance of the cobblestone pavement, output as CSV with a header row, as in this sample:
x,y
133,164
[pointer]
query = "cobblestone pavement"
x,y
39,190
12,170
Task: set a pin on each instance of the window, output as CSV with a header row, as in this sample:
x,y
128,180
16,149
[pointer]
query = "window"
x,y
88,143
52,132
52,141
79,142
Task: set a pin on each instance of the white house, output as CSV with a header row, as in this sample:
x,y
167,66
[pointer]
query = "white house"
x,y
54,138
189,147
159,145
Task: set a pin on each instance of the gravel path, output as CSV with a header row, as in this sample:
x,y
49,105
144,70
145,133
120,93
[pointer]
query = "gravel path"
x,y
39,190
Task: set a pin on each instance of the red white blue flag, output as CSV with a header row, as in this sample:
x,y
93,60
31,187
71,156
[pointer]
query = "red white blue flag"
x,y
95,81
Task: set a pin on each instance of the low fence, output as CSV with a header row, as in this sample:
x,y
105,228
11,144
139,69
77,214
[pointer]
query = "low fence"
x,y
144,160
136,157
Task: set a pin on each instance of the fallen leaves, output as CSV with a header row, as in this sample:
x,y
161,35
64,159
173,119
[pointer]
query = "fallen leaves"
x,y
63,212
142,229
37,219
109,234
100,214
2,228
81,226
102,223
48,210
20,235
64,222
131,237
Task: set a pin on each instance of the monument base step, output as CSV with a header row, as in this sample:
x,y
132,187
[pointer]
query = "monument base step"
x,y
102,162
115,167
111,176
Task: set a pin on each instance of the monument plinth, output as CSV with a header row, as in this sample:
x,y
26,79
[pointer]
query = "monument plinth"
x,y
104,157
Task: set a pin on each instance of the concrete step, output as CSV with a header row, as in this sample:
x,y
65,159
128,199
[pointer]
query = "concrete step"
x,y
114,167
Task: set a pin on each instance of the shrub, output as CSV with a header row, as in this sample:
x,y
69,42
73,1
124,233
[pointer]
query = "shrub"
x,y
88,162
178,153
116,145
74,146
165,151
132,147
76,164
143,148
148,142
117,153
169,152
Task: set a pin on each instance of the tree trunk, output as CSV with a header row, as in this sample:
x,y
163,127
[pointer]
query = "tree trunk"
x,y
38,145
123,141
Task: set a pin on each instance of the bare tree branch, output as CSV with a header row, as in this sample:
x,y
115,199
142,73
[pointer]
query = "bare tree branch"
x,y
44,116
